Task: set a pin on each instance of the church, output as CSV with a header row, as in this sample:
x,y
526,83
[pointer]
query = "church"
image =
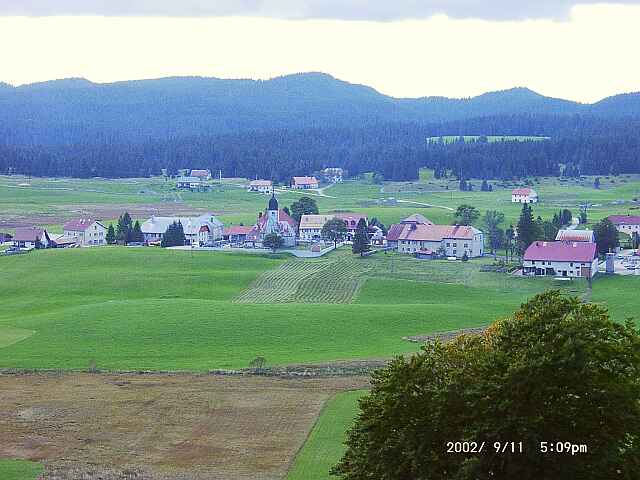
x,y
275,220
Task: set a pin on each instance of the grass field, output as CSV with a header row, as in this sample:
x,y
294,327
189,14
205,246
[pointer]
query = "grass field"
x,y
324,447
19,470
160,427
124,309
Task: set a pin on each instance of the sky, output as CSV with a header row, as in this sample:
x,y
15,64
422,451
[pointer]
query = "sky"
x,y
579,50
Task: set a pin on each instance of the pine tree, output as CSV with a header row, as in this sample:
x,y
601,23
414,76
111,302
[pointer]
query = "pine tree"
x,y
527,228
174,236
136,233
111,235
124,228
361,242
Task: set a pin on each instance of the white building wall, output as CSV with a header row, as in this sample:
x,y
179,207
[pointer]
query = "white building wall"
x,y
572,269
628,228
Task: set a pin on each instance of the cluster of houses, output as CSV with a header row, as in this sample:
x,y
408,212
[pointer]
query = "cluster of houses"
x,y
574,253
328,175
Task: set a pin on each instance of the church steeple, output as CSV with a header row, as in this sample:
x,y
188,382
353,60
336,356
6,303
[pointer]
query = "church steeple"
x,y
273,203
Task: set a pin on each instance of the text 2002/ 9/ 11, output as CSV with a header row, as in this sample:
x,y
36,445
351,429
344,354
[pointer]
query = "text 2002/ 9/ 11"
x,y
516,447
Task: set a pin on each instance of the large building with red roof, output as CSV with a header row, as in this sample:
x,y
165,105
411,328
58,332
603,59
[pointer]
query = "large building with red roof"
x,y
274,220
417,235
304,183
32,237
628,224
561,259
524,195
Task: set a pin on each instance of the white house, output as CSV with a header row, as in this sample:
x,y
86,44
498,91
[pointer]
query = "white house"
x,y
304,183
628,224
198,231
561,259
524,195
85,231
32,237
188,183
332,174
311,227
261,186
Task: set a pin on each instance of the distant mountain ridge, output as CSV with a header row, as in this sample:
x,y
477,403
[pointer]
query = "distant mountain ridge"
x,y
72,110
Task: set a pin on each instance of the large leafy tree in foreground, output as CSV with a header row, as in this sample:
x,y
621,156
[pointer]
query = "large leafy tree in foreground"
x,y
557,370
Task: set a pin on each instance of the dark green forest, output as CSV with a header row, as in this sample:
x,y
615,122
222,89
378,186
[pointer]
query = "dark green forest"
x,y
300,123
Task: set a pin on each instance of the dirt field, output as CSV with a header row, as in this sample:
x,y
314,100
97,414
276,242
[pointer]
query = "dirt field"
x,y
84,426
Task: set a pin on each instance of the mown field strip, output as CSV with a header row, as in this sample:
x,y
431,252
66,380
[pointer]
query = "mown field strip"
x,y
336,279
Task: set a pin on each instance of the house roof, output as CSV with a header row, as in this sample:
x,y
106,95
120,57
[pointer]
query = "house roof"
x,y
79,224
430,233
575,235
561,251
417,218
305,180
625,219
200,173
187,179
237,230
351,219
314,221
64,240
28,234
523,191
261,183
190,225
258,228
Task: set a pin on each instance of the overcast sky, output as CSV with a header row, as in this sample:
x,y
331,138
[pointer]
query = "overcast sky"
x,y
404,48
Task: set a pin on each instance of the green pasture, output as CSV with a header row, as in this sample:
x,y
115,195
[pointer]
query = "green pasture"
x,y
324,447
48,201
19,470
145,308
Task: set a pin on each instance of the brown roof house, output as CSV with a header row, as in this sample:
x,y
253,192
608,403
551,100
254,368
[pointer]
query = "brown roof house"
x,y
416,236
32,237
304,183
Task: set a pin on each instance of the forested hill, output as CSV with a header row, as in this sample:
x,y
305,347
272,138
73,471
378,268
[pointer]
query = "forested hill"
x,y
300,123
73,110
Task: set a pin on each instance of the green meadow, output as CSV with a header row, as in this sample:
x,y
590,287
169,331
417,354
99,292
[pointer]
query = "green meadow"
x,y
324,447
19,470
119,308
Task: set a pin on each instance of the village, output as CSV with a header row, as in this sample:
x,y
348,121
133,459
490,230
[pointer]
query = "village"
x,y
307,232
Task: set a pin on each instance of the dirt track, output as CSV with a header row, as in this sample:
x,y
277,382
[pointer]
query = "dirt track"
x,y
85,426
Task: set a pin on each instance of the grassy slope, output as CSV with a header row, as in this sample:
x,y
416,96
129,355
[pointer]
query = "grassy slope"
x,y
324,447
19,470
156,309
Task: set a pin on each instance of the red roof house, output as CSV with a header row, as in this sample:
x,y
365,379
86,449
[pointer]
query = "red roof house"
x,y
565,259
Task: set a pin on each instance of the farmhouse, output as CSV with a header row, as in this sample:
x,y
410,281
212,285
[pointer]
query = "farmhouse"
x,y
304,183
261,186
351,221
275,220
567,235
198,231
85,231
332,174
561,259
236,233
393,235
32,237
201,174
311,227
188,183
524,195
628,224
